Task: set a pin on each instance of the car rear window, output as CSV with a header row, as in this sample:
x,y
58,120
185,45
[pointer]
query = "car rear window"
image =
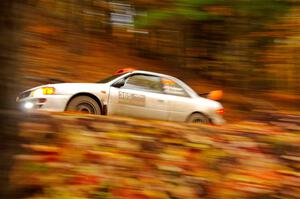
x,y
170,87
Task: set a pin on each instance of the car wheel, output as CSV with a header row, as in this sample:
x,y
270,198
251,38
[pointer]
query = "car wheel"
x,y
198,118
84,104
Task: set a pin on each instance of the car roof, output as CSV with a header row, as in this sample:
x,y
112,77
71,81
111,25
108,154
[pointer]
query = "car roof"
x,y
181,83
151,73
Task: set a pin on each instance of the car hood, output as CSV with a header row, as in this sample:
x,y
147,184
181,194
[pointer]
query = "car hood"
x,y
70,88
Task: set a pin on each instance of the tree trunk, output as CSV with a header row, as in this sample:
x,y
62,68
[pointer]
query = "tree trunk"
x,y
9,25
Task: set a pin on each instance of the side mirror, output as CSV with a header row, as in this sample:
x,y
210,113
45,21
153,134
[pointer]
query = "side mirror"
x,y
119,83
215,95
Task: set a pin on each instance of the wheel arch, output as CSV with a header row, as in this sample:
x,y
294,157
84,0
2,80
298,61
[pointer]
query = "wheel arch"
x,y
94,97
198,112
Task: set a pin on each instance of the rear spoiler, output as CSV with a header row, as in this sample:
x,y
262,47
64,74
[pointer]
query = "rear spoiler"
x,y
213,95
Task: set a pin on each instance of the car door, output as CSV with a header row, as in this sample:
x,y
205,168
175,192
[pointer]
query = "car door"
x,y
180,103
141,96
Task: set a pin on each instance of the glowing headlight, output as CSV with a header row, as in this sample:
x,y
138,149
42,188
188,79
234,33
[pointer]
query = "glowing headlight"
x,y
28,105
43,91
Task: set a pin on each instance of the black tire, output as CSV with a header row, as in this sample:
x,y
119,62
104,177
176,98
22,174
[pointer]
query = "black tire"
x,y
198,118
84,104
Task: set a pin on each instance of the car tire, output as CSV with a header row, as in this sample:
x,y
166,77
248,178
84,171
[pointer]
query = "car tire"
x,y
84,104
198,118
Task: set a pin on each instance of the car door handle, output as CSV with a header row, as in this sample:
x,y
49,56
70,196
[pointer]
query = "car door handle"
x,y
160,100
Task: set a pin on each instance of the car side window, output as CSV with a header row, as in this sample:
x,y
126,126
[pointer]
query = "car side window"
x,y
170,87
144,82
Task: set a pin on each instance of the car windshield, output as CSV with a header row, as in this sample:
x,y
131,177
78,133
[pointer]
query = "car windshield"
x,y
108,79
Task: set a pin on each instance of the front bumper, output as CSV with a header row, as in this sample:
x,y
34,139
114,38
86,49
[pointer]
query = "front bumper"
x,y
217,119
53,103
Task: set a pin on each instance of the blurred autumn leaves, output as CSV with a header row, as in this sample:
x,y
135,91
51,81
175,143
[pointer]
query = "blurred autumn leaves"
x,y
241,43
247,44
251,44
85,156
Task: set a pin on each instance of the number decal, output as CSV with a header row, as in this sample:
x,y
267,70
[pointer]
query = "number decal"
x,y
131,99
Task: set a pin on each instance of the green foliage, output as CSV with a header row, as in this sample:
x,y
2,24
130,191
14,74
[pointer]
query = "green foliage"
x,y
266,9
184,9
193,10
236,33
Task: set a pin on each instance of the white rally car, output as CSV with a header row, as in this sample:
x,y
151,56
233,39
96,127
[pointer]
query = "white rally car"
x,y
129,92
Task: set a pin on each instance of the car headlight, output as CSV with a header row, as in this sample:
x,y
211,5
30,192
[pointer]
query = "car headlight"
x,y
28,105
43,91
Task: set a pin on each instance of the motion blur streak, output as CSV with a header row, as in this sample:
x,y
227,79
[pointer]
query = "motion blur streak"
x,y
247,48
85,156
